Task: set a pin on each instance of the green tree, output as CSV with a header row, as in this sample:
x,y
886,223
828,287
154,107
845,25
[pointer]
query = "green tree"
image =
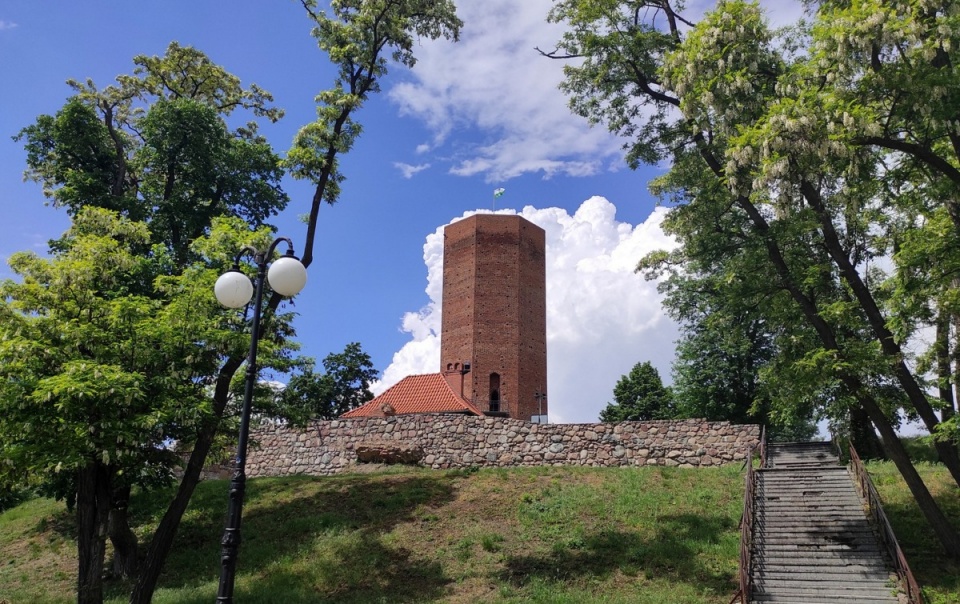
x,y
155,148
726,344
361,37
789,153
122,148
343,385
639,396
86,393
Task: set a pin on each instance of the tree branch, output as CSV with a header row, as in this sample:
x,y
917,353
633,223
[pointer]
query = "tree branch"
x,y
553,54
921,152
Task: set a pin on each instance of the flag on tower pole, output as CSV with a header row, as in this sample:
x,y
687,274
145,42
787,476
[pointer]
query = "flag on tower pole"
x,y
497,194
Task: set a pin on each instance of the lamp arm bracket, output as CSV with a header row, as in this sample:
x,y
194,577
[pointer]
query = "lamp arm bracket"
x,y
276,242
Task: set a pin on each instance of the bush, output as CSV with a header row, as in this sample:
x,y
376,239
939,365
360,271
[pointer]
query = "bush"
x,y
920,448
12,497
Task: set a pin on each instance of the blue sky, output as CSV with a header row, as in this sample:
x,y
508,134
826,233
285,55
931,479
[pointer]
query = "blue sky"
x,y
471,117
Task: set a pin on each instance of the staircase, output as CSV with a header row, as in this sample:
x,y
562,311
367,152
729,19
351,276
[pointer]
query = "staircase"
x,y
812,542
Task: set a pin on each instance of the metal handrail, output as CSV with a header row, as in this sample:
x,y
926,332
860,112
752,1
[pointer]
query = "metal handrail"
x,y
491,405
869,493
746,521
763,446
746,532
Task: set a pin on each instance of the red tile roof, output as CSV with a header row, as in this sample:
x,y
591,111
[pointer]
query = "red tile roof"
x,y
428,393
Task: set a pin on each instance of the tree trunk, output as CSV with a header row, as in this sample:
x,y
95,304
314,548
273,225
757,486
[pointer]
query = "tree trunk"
x,y
888,344
944,375
945,532
162,541
124,563
93,510
163,537
954,385
863,437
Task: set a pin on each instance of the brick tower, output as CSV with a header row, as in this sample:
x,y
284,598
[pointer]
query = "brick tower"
x,y
493,343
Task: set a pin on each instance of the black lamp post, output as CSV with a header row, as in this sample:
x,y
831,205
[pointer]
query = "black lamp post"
x,y
233,289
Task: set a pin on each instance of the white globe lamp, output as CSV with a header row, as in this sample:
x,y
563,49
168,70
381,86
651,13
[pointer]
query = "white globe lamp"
x,y
233,289
287,276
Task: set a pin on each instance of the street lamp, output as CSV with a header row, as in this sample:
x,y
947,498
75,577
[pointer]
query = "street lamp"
x,y
540,397
233,289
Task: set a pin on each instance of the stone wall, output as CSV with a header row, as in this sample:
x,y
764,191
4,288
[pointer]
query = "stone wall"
x,y
458,441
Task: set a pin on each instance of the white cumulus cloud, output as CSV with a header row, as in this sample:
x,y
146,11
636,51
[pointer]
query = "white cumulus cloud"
x,y
602,318
408,170
7,25
495,81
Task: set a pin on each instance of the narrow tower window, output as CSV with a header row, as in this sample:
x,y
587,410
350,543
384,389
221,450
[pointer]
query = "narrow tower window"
x,y
495,392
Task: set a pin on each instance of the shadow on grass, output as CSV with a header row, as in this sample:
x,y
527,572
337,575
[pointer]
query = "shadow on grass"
x,y
362,572
671,553
63,522
309,539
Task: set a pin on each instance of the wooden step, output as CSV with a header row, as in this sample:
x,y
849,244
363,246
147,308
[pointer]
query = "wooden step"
x,y
781,555
878,589
808,539
821,598
812,541
825,575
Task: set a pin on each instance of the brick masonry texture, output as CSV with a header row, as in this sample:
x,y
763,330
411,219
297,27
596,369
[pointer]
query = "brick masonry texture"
x,y
494,311
460,441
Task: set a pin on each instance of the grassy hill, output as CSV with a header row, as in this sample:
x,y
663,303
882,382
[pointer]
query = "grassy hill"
x,y
550,535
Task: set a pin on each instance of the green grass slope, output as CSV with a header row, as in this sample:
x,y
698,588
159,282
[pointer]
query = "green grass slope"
x,y
938,576
548,535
